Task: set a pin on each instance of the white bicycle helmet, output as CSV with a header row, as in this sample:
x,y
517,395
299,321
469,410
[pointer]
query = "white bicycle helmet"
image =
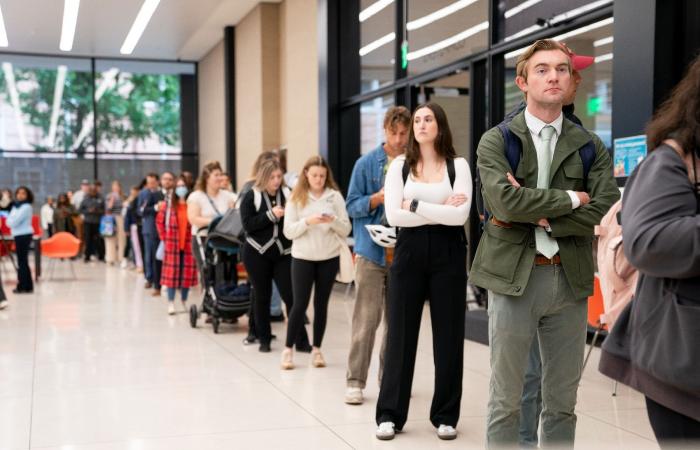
x,y
382,235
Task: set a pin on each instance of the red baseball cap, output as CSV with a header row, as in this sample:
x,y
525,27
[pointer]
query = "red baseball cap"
x,y
580,62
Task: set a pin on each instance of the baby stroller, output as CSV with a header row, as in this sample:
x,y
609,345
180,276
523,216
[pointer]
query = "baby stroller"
x,y
224,298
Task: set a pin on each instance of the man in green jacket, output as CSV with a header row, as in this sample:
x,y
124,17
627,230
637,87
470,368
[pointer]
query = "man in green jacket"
x,y
535,256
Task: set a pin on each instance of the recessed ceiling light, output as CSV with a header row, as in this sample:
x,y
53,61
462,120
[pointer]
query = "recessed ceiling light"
x,y
70,20
139,25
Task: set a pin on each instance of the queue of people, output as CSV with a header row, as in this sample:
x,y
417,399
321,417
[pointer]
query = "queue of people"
x,y
545,183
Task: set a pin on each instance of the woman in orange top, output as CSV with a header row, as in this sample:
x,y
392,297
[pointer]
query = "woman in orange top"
x,y
179,267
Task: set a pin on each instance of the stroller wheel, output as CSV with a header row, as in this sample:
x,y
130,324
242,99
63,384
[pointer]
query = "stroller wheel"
x,y
194,315
215,324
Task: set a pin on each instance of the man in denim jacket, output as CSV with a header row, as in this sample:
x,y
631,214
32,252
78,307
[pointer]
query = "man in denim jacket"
x,y
365,204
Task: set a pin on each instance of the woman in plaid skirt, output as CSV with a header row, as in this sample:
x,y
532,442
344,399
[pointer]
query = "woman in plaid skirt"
x,y
179,267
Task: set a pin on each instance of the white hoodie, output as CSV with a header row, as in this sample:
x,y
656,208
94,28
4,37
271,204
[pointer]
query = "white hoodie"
x,y
317,242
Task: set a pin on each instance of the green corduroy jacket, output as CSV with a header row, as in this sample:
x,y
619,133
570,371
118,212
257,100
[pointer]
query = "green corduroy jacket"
x,y
505,255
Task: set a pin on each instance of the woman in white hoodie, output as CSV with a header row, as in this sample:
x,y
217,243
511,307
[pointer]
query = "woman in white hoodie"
x,y
317,224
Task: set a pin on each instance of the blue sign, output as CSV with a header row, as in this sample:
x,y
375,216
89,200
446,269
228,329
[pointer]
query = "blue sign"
x,y
629,152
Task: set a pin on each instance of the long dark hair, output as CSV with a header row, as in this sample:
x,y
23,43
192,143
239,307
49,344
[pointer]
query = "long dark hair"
x,y
679,116
443,141
30,194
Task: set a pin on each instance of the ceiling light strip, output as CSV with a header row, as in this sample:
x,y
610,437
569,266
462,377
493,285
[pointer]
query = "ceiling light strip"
x,y
373,9
605,57
561,37
560,18
439,14
520,8
372,46
449,41
9,72
139,26
57,98
602,42
3,32
70,21
586,29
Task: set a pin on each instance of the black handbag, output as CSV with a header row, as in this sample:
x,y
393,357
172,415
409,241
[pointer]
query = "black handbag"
x,y
228,227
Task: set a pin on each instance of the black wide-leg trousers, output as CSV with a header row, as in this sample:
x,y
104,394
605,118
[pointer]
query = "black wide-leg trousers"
x,y
429,263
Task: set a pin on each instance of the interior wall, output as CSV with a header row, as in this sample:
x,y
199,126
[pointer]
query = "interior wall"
x,y
211,106
299,81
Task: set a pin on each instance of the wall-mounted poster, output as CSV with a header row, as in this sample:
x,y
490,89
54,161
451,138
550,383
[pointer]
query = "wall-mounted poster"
x,y
629,151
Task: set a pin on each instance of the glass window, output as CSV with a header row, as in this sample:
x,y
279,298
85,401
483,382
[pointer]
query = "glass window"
x,y
442,31
452,93
45,104
377,43
138,107
372,122
593,100
523,17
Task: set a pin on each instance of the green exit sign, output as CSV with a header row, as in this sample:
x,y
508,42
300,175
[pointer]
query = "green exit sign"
x,y
404,55
593,105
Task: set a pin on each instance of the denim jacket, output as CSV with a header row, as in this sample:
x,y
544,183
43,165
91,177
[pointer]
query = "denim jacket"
x,y
367,178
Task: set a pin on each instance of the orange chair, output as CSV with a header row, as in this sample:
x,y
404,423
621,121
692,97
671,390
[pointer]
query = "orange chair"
x,y
61,246
596,309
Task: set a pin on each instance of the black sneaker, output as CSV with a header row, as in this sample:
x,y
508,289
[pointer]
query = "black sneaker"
x,y
278,318
22,291
264,347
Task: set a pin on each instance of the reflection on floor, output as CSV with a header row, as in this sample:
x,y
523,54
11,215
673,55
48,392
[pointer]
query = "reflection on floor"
x,y
98,364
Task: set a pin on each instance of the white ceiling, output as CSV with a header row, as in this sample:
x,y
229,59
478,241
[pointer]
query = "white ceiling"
x,y
179,29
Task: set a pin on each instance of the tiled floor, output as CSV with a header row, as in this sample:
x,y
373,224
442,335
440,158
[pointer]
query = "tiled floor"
x,y
97,364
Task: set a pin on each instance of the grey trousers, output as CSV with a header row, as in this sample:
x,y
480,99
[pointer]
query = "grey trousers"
x,y
547,309
370,303
531,406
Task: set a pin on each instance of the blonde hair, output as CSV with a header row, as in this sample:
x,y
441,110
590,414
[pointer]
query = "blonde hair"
x,y
300,194
265,172
541,45
264,156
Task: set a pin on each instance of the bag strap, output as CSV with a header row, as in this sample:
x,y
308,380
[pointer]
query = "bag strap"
x,y
213,205
451,173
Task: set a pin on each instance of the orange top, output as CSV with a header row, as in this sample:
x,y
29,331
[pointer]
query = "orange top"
x,y
182,224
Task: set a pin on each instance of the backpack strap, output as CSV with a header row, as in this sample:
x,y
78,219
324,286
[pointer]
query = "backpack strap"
x,y
513,148
451,173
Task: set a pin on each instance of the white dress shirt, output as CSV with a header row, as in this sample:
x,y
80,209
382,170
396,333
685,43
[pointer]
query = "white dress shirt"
x,y
535,126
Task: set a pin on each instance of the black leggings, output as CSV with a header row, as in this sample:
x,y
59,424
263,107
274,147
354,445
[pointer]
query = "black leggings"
x,y
672,429
262,269
24,273
429,263
307,274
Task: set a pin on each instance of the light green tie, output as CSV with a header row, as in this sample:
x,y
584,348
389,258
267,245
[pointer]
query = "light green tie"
x,y
545,244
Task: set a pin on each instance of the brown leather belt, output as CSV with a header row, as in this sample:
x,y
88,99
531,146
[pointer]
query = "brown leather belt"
x,y
541,260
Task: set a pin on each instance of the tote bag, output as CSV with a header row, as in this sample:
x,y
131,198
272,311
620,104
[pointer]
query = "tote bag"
x,y
346,269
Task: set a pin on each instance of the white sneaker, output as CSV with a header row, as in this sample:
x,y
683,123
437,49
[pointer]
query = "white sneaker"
x,y
184,305
353,396
171,308
124,264
446,432
385,431
3,304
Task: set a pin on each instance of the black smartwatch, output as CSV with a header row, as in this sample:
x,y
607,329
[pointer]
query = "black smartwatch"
x,y
414,205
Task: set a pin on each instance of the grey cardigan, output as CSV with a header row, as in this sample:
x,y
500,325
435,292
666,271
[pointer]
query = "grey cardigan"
x,y
661,235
